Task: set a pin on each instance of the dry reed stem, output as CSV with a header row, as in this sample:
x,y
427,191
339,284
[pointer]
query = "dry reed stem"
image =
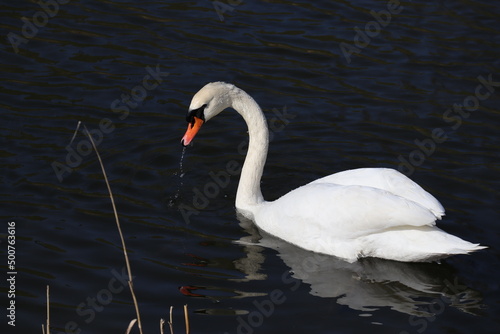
x,y
170,323
186,318
130,325
130,283
76,131
162,324
139,324
48,311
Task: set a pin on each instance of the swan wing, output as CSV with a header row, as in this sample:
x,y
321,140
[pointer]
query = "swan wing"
x,y
342,211
389,180
332,219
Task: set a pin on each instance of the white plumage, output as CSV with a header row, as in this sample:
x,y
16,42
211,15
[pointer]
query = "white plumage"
x,y
366,212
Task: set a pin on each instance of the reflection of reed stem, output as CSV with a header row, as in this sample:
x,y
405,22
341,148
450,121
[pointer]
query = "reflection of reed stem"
x,y
130,284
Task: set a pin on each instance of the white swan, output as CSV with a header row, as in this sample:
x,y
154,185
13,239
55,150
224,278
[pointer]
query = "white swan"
x,y
367,212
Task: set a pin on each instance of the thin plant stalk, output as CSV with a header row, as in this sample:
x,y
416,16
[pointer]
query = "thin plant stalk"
x,y
130,325
139,324
46,328
171,323
162,324
76,132
48,311
186,318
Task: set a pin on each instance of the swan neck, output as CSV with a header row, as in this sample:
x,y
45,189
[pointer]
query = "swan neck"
x,y
249,194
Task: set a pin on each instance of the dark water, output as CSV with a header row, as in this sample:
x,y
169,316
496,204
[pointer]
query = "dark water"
x,y
410,93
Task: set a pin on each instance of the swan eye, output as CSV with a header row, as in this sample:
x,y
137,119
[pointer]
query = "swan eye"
x,y
199,113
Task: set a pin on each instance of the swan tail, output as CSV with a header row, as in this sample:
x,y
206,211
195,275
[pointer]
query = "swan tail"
x,y
451,252
416,244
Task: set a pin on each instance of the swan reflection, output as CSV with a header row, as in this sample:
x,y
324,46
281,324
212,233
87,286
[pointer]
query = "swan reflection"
x,y
419,289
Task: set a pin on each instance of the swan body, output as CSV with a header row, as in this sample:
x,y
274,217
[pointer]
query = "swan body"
x,y
365,212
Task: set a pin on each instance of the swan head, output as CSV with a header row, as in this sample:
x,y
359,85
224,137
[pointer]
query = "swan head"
x,y
213,98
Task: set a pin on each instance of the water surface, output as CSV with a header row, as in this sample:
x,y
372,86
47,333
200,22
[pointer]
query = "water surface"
x,y
128,70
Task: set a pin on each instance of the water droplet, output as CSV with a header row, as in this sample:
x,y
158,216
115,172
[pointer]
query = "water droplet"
x,y
172,200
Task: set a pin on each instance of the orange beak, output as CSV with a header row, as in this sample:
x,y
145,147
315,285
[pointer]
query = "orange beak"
x,y
192,130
